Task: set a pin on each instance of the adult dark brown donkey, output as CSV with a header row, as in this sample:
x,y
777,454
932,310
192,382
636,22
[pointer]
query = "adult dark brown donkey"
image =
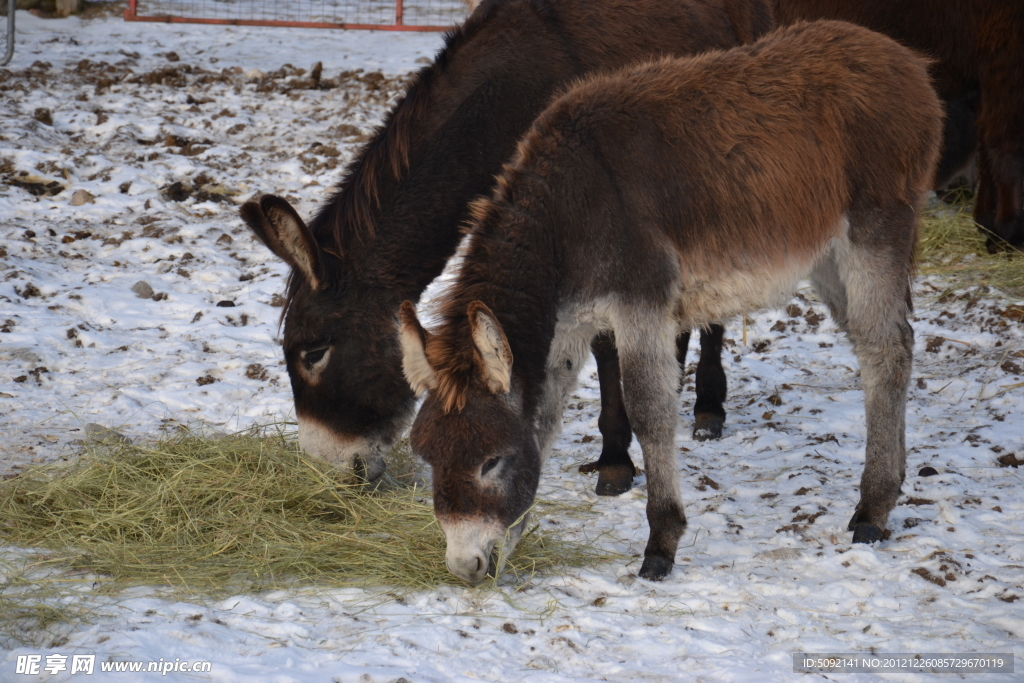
x,y
394,221
978,46
660,198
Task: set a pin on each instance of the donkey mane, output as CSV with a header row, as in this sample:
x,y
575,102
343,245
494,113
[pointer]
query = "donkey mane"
x,y
348,216
451,352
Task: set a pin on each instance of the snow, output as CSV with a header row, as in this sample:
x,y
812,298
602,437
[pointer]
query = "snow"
x,y
766,567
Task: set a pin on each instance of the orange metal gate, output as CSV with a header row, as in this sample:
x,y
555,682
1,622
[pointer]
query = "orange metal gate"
x,y
380,15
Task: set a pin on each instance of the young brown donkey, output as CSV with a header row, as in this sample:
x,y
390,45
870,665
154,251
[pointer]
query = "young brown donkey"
x,y
665,197
394,221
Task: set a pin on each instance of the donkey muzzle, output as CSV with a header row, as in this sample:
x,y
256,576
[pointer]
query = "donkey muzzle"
x,y
469,548
471,568
357,454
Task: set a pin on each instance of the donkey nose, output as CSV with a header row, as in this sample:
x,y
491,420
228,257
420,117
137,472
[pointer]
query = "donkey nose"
x,y
368,469
471,569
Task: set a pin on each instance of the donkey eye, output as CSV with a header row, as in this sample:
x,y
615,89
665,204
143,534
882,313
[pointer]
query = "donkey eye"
x,y
311,358
489,465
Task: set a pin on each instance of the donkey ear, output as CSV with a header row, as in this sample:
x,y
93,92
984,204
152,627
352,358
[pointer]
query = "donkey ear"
x,y
279,227
414,355
492,347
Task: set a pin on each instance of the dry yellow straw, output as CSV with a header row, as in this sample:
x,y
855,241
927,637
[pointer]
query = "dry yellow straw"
x,y
952,246
242,512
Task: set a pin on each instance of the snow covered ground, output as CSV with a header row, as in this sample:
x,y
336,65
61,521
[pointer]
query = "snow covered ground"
x,y
167,128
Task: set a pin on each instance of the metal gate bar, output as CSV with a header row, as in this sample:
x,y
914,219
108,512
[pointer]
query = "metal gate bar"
x,y
398,20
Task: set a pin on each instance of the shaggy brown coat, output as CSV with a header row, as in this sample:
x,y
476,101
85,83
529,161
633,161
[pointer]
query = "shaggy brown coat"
x,y
978,48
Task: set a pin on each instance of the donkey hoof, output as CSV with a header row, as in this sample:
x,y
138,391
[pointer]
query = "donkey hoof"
x,y
708,426
614,480
655,568
867,533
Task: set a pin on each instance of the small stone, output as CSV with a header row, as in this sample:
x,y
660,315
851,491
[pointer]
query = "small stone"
x,y
143,290
256,371
29,291
44,116
1011,367
927,472
176,191
813,318
1009,460
81,197
226,304
708,481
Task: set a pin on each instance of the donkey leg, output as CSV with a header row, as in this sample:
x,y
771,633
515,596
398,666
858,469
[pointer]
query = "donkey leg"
x,y
867,289
650,377
682,348
1000,124
708,411
615,470
985,199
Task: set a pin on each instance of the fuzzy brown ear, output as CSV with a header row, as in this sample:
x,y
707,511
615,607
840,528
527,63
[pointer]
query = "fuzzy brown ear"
x,y
414,355
279,227
492,347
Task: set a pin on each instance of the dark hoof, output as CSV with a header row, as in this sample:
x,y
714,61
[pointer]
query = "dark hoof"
x,y
708,426
655,568
866,533
614,480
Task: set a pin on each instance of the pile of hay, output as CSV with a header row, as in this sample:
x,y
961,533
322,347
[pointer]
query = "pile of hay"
x,y
215,516
953,246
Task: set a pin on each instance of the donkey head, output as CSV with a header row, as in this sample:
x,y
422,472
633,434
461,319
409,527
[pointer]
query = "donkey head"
x,y
472,431
340,346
